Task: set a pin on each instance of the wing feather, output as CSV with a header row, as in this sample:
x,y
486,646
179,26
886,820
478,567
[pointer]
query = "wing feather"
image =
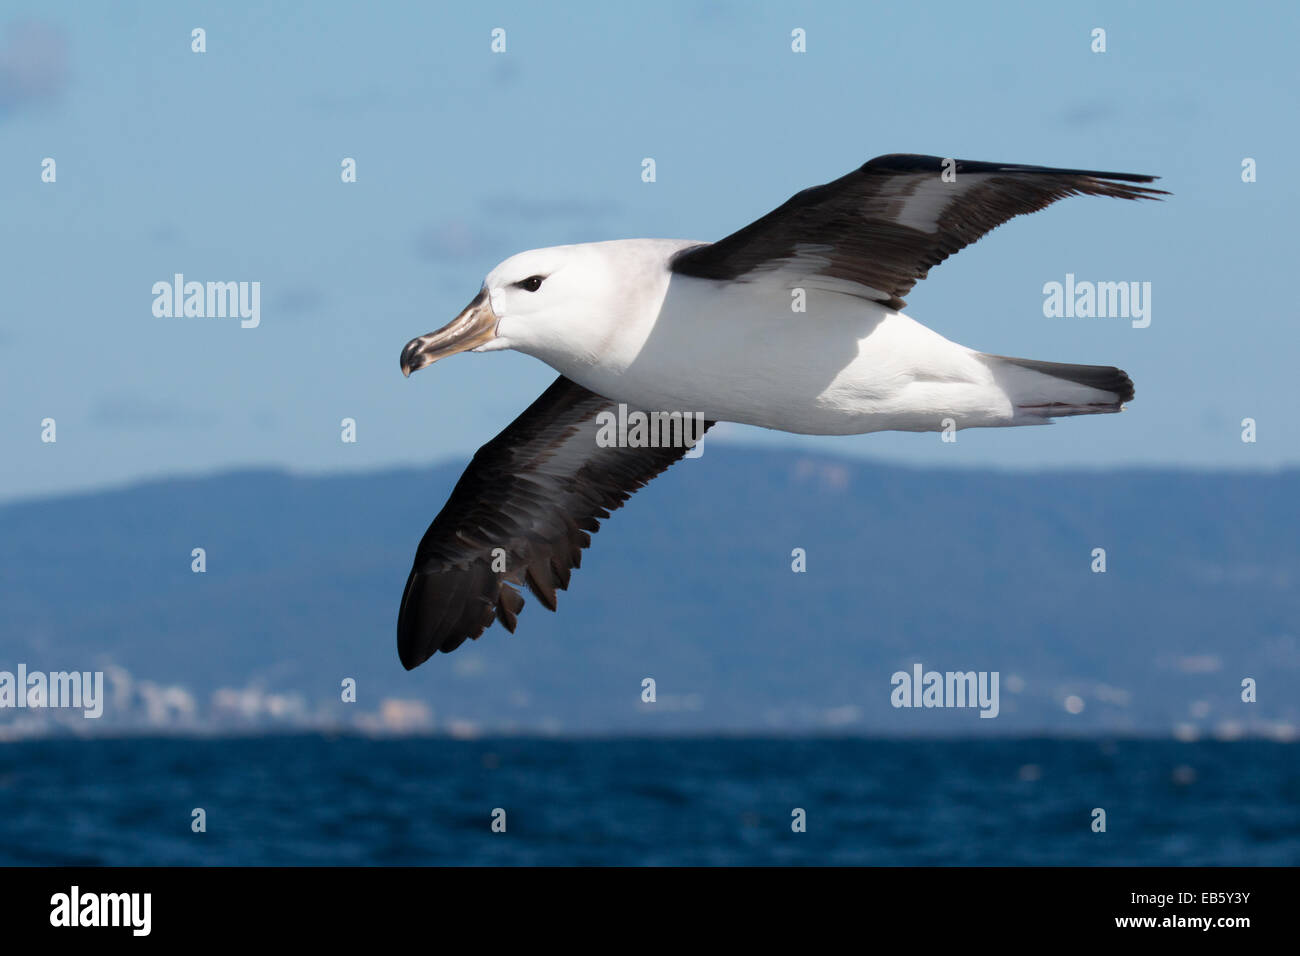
x,y
535,491
880,229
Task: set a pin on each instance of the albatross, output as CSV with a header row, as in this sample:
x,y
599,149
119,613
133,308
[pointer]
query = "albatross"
x,y
794,322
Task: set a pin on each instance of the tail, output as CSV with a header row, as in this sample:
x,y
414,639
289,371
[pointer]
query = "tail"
x,y
1043,390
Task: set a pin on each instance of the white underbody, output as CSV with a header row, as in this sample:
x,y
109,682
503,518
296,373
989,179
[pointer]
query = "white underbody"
x,y
739,352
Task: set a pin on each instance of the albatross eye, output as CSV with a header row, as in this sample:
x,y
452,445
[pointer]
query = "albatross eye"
x,y
531,284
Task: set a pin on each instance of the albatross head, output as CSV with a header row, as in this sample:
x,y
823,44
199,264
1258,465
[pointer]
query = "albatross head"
x,y
537,302
564,305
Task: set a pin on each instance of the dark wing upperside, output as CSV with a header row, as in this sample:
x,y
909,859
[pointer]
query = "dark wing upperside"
x,y
537,490
884,225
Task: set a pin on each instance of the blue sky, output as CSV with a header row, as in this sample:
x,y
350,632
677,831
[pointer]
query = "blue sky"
x,y
225,166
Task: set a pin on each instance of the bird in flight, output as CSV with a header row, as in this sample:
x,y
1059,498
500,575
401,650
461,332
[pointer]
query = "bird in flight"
x,y
793,322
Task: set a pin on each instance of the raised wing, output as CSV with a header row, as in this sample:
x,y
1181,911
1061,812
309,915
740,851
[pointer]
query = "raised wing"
x,y
536,492
883,226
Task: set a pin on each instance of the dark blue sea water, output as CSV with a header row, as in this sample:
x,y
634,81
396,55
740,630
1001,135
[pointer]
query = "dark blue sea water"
x,y
318,800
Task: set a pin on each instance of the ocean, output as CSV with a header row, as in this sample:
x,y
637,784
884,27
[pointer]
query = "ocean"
x,y
320,800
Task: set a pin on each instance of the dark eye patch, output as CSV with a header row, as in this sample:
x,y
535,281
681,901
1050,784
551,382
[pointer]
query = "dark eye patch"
x,y
531,284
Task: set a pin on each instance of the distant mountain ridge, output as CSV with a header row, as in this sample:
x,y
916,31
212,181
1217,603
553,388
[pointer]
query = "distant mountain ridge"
x,y
690,585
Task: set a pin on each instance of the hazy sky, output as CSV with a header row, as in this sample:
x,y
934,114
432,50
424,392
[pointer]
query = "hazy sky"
x,y
225,166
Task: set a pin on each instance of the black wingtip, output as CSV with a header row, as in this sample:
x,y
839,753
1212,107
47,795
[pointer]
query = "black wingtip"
x,y
413,643
918,163
408,652
407,636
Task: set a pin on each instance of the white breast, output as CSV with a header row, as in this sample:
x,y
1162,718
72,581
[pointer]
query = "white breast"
x,y
740,352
